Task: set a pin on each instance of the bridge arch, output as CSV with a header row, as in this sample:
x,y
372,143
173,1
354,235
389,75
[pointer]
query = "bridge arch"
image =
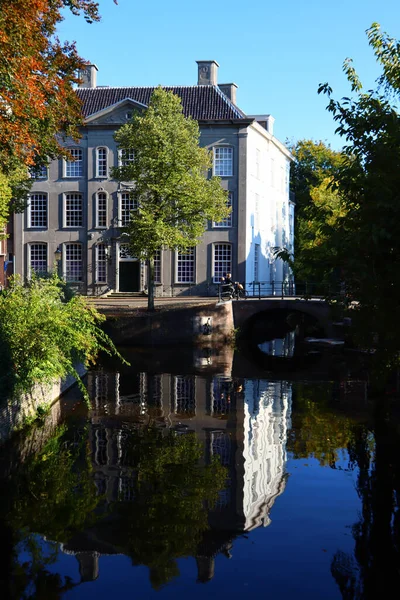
x,y
247,313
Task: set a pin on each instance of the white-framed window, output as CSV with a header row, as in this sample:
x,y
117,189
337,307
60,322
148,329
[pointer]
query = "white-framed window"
x,y
101,263
101,209
101,162
126,157
256,262
157,267
126,205
38,172
74,168
184,401
222,261
185,266
228,221
37,210
73,262
223,161
73,209
37,253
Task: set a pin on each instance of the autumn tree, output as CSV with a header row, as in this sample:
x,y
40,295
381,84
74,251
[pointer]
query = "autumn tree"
x,y
174,197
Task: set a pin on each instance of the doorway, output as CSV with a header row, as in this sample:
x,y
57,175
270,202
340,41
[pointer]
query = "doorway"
x,y
129,276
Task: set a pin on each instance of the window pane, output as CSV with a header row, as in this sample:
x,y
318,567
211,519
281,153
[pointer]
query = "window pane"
x,y
101,220
74,168
38,258
223,161
101,162
38,172
222,261
126,157
37,215
101,263
157,267
73,262
127,205
228,221
73,210
185,266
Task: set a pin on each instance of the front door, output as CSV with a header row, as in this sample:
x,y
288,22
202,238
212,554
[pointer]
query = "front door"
x,y
129,276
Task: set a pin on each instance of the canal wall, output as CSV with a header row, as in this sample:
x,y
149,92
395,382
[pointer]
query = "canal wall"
x,y
16,412
208,323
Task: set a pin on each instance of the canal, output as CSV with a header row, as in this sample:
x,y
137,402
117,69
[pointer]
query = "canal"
x,y
206,472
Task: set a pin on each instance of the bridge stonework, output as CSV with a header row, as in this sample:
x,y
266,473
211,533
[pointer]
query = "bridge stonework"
x,y
245,310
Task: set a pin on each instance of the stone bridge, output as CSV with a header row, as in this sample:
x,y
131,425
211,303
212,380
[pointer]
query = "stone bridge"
x,y
246,312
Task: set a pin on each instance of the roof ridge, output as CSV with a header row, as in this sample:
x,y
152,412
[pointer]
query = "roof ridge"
x,y
142,87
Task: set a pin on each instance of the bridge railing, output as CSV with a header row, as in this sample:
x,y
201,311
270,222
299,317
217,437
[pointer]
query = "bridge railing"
x,y
283,289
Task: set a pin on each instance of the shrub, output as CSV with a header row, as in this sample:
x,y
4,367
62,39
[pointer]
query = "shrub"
x,y
43,335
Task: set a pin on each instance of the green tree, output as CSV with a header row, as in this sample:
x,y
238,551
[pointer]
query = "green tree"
x,y
319,208
368,180
175,199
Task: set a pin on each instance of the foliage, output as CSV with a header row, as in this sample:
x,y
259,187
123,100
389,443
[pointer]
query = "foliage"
x,y
172,490
175,199
319,210
43,336
368,248
318,431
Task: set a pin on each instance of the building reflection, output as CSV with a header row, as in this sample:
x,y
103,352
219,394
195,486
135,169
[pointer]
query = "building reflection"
x,y
242,422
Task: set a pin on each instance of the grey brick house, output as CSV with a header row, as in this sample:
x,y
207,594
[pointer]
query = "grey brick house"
x,y
76,210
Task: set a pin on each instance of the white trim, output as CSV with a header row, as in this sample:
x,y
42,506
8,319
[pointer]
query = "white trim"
x,y
177,254
29,257
29,211
217,280
65,226
216,147
96,209
65,162
97,262
97,174
109,109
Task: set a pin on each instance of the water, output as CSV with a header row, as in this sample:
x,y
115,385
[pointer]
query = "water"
x,y
188,479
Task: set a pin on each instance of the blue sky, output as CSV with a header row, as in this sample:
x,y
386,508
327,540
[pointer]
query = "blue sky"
x,y
276,52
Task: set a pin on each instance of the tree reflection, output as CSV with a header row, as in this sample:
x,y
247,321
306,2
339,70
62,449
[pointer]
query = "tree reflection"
x,y
172,493
374,570
318,430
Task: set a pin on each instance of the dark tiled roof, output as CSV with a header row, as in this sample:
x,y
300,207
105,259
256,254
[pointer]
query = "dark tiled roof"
x,y
201,102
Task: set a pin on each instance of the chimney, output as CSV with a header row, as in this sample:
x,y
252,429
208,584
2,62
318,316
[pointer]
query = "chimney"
x,y
270,124
229,89
207,72
266,121
88,76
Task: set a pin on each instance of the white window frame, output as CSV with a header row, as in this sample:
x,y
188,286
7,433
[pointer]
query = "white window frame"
x,y
75,165
122,218
101,263
39,173
228,221
30,248
66,263
97,208
66,200
125,157
222,170
102,173
44,212
188,264
227,264
158,267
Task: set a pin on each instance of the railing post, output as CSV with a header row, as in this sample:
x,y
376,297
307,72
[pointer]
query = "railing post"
x,y
283,283
259,290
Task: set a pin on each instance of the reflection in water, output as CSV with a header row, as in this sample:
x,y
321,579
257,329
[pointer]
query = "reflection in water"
x,y
171,465
283,347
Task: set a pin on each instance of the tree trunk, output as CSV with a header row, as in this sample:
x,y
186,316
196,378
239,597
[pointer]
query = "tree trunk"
x,y
150,283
